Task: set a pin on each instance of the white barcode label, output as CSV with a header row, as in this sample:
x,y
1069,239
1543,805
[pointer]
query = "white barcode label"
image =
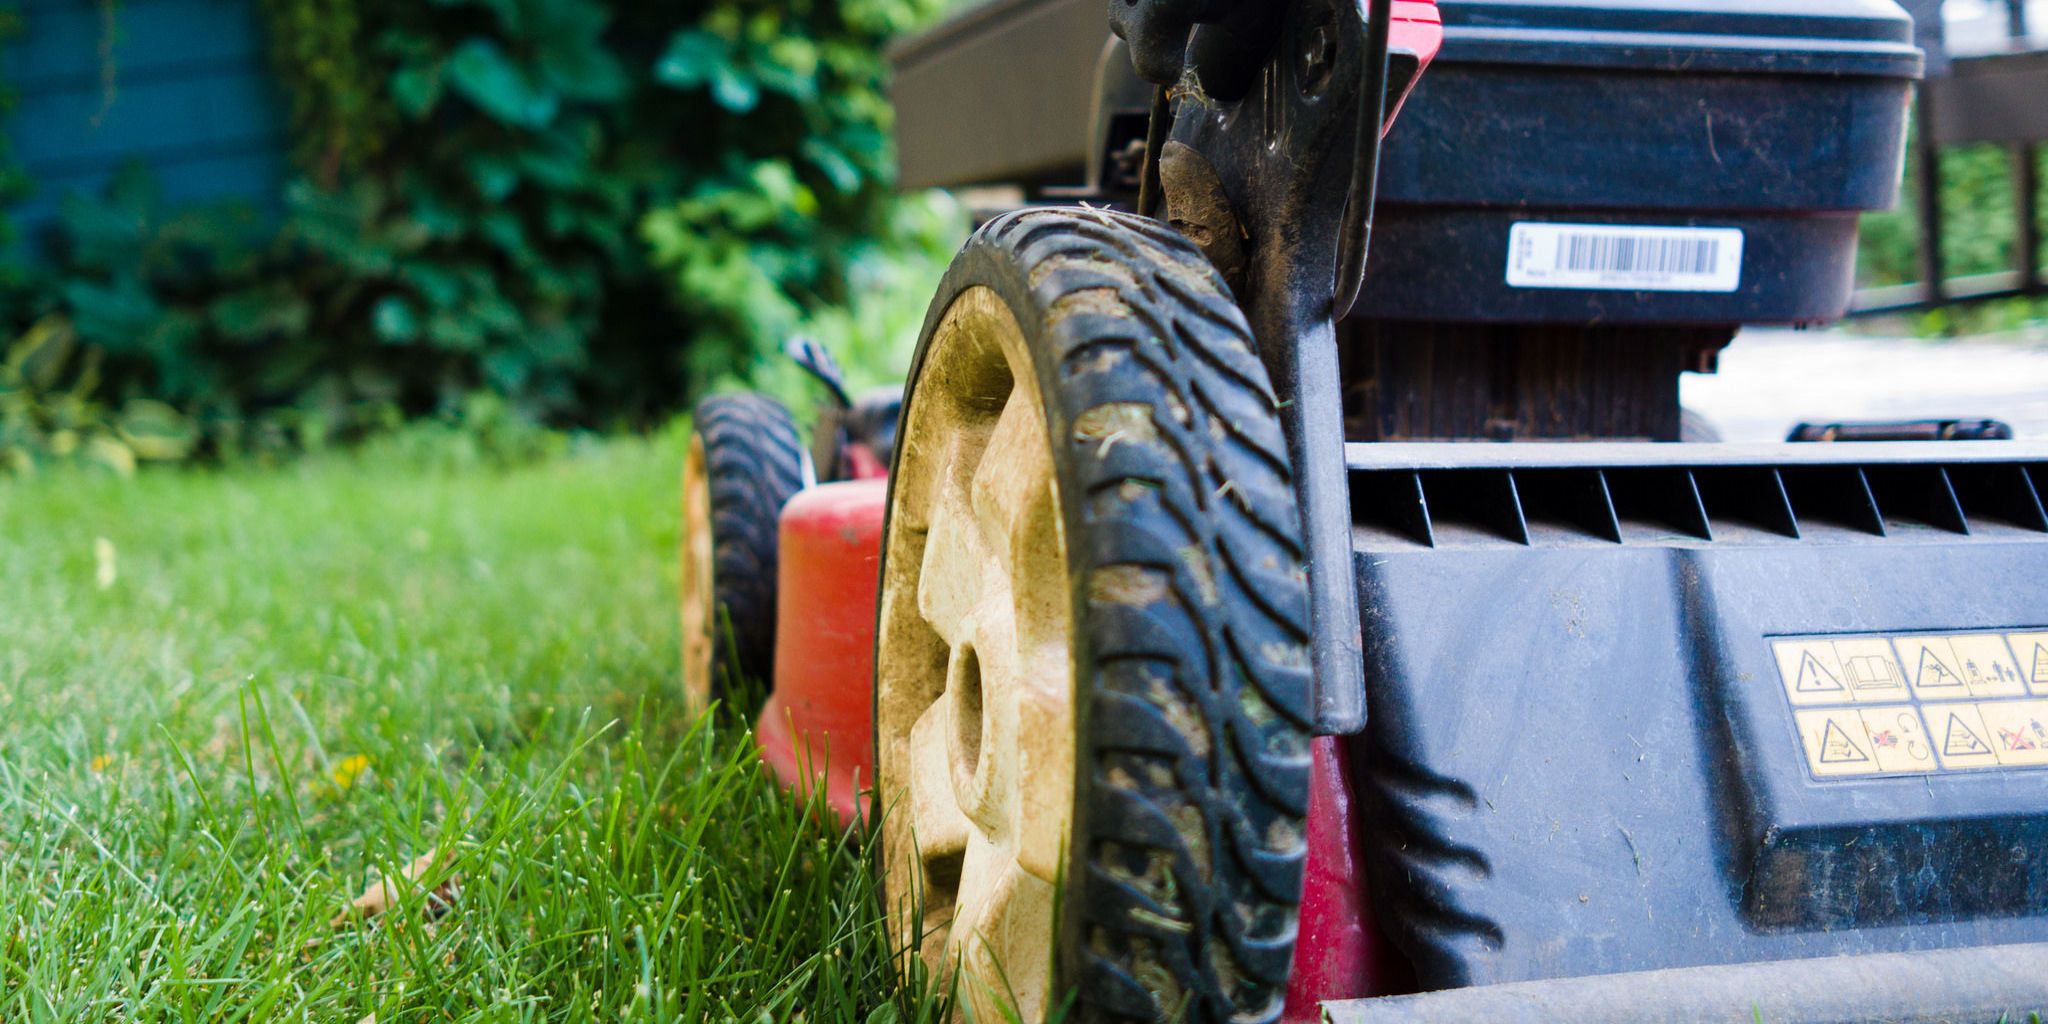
x,y
1614,257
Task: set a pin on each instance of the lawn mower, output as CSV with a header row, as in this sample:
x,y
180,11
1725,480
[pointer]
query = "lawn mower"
x,y
1195,664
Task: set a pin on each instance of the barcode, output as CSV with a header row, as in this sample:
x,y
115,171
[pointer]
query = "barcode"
x,y
1625,257
1609,254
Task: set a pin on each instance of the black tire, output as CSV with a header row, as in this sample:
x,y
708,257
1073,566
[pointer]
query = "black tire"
x,y
1185,550
753,462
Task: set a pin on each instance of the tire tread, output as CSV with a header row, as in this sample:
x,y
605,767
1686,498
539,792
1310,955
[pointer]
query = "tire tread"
x,y
754,458
1193,842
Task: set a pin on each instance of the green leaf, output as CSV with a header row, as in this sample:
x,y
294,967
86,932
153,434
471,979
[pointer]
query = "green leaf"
x,y
436,283
584,70
111,454
415,89
481,71
118,317
693,57
258,313
394,320
110,233
836,167
38,357
735,91
495,176
505,231
789,66
454,333
558,159
156,432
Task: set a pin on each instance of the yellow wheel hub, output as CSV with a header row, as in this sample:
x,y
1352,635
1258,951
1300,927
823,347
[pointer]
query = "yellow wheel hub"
x,y
699,598
975,687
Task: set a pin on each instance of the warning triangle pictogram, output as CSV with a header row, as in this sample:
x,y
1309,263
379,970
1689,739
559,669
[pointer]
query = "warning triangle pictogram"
x,y
1934,673
1814,677
1837,748
1962,739
2041,664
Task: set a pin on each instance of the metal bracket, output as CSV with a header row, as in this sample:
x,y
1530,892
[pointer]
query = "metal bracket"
x,y
1270,163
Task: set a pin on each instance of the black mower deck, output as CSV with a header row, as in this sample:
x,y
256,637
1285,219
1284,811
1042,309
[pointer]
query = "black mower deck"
x,y
1638,707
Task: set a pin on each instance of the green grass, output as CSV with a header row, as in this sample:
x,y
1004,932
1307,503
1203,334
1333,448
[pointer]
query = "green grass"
x,y
283,682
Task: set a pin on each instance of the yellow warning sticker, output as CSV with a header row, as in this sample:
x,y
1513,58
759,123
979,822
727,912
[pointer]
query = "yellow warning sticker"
x,y
1898,739
1836,743
1987,665
1812,673
2018,731
1865,741
1822,672
1917,704
1931,665
1960,736
2032,649
1872,671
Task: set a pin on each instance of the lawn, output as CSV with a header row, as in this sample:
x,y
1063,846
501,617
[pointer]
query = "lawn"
x,y
230,699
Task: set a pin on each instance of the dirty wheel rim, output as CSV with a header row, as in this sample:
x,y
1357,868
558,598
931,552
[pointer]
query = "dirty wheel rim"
x,y
976,673
699,597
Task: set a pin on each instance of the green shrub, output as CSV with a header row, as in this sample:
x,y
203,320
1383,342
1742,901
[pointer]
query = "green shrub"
x,y
584,207
49,411
1979,220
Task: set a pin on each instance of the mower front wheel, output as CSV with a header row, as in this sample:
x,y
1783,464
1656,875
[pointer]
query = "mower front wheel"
x,y
1092,673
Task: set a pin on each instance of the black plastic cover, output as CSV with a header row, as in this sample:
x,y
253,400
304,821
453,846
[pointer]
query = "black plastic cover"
x,y
1827,37
1588,753
1783,119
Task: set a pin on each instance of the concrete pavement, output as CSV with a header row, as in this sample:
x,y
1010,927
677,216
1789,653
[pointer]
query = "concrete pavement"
x,y
1772,379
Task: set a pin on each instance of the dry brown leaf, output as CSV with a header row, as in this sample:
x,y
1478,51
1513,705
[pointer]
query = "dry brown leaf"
x,y
384,893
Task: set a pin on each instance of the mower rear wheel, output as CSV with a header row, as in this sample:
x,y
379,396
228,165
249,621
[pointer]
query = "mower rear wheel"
x,y
1092,674
744,463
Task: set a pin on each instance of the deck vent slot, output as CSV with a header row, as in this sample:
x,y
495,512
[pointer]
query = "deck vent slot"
x,y
1917,498
1391,502
1746,500
1474,504
1998,494
1657,504
1540,504
1837,496
1567,504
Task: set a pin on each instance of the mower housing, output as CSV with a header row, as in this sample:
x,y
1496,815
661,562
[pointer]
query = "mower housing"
x,y
1717,704
1581,198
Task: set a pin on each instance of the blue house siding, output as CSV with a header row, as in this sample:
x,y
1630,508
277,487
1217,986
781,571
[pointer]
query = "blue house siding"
x,y
194,100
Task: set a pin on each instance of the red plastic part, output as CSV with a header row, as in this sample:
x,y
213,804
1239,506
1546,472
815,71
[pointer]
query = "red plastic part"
x,y
865,463
1417,28
1339,953
819,725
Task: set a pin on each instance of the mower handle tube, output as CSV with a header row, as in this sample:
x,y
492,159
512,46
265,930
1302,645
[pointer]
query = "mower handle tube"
x,y
1983,985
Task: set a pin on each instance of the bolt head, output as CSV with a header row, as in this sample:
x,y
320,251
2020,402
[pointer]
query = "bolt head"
x,y
1315,55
